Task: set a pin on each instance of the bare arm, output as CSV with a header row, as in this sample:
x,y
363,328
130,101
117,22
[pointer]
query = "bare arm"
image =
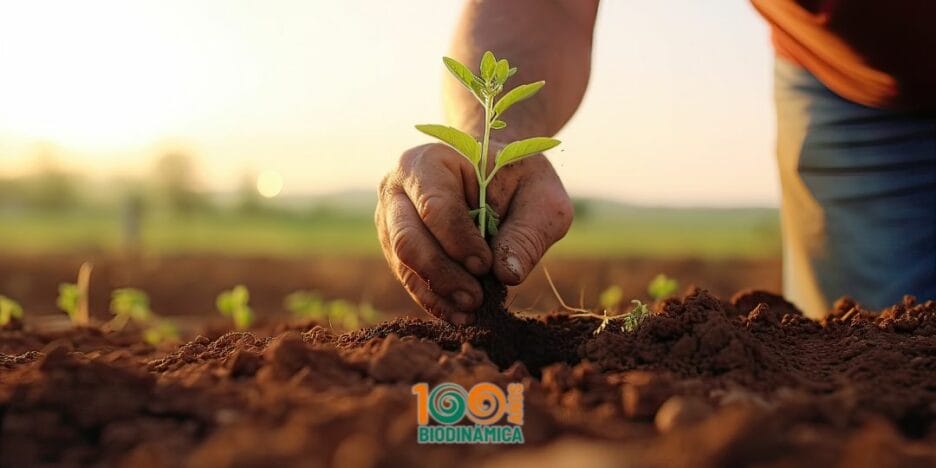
x,y
550,40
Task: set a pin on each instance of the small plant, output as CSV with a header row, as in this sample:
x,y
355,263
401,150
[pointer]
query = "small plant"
x,y
486,88
662,286
311,305
73,297
9,310
159,331
129,304
133,305
233,303
610,299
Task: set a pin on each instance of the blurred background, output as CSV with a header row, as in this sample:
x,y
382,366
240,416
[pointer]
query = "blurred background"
x,y
184,147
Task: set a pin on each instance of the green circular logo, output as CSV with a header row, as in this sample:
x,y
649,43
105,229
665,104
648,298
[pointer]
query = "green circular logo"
x,y
447,403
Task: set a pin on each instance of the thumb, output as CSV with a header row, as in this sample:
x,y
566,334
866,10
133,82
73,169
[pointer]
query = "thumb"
x,y
536,221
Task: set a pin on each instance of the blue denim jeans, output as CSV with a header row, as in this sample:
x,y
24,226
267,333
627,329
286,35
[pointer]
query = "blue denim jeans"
x,y
859,197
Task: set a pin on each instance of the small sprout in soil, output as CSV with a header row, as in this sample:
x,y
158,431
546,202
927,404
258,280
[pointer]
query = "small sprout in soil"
x,y
662,286
9,310
133,305
160,331
635,317
73,297
233,303
340,313
129,304
610,298
485,88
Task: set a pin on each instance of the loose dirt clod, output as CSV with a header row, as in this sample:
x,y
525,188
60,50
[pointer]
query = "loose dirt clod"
x,y
702,382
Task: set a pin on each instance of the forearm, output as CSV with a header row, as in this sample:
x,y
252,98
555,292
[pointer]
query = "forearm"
x,y
546,39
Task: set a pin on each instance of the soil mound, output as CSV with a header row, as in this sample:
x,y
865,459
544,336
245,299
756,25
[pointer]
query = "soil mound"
x,y
701,382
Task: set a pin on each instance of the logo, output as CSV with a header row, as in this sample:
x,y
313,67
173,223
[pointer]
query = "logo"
x,y
485,405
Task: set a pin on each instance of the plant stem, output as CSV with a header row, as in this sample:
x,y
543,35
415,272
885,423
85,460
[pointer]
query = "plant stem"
x,y
482,169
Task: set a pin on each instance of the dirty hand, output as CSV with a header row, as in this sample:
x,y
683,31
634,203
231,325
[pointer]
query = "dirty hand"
x,y
432,243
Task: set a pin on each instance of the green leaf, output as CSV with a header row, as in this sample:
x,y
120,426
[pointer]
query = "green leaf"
x,y
511,72
635,317
523,148
498,124
488,63
524,91
611,297
9,310
493,221
68,298
662,286
464,75
131,303
460,141
501,70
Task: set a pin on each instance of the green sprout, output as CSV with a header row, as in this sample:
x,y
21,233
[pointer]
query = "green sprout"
x,y
9,310
160,331
486,88
630,320
129,304
610,299
73,297
233,303
662,286
635,317
133,305
68,299
311,305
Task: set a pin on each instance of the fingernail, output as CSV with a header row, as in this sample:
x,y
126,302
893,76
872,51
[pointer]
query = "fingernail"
x,y
474,265
513,264
462,299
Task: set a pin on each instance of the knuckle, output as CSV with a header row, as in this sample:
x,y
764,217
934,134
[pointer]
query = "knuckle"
x,y
430,206
402,243
530,241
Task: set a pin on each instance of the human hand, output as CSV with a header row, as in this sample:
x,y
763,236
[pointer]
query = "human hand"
x,y
431,242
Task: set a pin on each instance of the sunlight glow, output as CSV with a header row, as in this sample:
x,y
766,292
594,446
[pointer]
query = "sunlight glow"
x,y
269,184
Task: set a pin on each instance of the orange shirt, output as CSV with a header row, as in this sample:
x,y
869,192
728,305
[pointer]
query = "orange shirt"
x,y
880,53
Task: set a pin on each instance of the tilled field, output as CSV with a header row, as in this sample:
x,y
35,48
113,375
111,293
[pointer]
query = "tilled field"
x,y
701,382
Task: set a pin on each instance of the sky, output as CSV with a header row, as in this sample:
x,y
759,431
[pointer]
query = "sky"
x,y
322,95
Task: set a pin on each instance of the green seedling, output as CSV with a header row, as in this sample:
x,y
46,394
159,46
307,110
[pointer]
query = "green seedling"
x,y
610,299
486,88
233,303
662,286
129,304
341,313
159,331
9,310
133,305
73,297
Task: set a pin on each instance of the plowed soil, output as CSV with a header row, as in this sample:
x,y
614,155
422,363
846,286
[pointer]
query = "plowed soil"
x,y
701,382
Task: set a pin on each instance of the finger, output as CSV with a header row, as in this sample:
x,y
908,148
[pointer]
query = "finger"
x,y
431,302
411,244
539,215
434,184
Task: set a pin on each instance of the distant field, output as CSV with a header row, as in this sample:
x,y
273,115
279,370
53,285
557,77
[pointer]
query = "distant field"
x,y
603,232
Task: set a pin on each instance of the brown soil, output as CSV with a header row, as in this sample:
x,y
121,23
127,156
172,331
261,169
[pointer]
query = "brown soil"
x,y
702,382
186,285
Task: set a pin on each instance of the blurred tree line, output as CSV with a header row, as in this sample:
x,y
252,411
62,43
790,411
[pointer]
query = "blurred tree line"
x,y
172,185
